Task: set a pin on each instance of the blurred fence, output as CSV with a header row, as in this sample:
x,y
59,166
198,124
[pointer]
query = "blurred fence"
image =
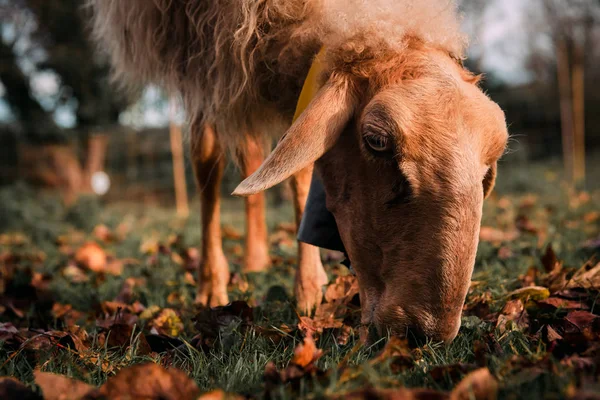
x,y
139,164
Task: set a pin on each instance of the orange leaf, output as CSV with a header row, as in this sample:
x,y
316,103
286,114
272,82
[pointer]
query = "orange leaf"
x,y
91,256
59,387
479,384
306,353
149,381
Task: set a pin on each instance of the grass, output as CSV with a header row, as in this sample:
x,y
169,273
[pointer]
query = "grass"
x,y
37,231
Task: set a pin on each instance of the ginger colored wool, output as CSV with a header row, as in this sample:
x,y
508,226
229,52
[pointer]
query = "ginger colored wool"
x,y
404,140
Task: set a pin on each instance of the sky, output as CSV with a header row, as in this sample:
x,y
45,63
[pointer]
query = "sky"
x,y
503,40
500,41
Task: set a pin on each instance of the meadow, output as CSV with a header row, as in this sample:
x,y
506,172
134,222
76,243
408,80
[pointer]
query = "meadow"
x,y
92,289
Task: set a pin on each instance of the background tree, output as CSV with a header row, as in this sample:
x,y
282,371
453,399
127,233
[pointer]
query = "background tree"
x,y
49,40
564,33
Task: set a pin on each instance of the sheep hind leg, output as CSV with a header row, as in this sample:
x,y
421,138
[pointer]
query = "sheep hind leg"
x,y
209,162
311,276
256,255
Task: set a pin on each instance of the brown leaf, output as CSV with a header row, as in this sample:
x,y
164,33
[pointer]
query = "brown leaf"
x,y
189,280
74,274
191,256
91,256
149,381
524,224
237,281
168,323
210,321
397,352
489,234
591,217
59,387
581,319
530,277
550,261
452,371
104,234
7,331
306,353
289,227
479,305
120,336
114,267
479,385
303,363
11,388
344,335
231,233
505,252
44,341
219,395
551,334
325,319
342,289
587,277
393,394
512,314
126,293
554,303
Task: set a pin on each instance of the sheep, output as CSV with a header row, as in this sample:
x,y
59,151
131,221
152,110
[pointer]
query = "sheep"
x,y
405,142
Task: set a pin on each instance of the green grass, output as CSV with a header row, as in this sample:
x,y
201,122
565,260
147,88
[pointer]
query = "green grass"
x,y
236,362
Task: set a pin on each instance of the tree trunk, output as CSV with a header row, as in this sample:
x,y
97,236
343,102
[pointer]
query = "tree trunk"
x,y
578,114
566,107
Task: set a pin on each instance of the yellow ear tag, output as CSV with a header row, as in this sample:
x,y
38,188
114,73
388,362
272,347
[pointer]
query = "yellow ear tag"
x,y
310,88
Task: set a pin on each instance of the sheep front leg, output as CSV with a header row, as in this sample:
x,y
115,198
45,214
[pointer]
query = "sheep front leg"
x,y
209,162
310,276
256,256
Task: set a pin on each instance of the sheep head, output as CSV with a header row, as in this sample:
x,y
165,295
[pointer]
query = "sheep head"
x,y
407,147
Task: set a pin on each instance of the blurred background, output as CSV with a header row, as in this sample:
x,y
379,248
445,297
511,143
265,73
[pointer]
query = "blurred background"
x,y
65,128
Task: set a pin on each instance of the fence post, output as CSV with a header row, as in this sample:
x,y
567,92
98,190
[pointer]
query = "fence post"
x,y
181,197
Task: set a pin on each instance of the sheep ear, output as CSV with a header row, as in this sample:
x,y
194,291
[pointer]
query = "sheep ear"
x,y
312,135
489,180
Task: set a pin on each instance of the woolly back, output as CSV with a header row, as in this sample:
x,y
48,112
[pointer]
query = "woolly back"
x,y
240,64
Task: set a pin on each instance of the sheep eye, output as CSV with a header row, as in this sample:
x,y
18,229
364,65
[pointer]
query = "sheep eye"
x,y
379,143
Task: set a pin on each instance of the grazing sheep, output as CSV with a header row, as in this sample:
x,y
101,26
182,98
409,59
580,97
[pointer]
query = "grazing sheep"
x,y
405,142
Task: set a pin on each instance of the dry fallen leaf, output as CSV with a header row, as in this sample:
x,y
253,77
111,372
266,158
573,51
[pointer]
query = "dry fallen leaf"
x,y
534,293
59,387
551,334
513,314
91,256
219,395
393,394
149,381
303,363
478,385
103,233
342,289
75,274
11,388
306,353
489,234
397,353
168,323
587,277
231,233
210,321
550,261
